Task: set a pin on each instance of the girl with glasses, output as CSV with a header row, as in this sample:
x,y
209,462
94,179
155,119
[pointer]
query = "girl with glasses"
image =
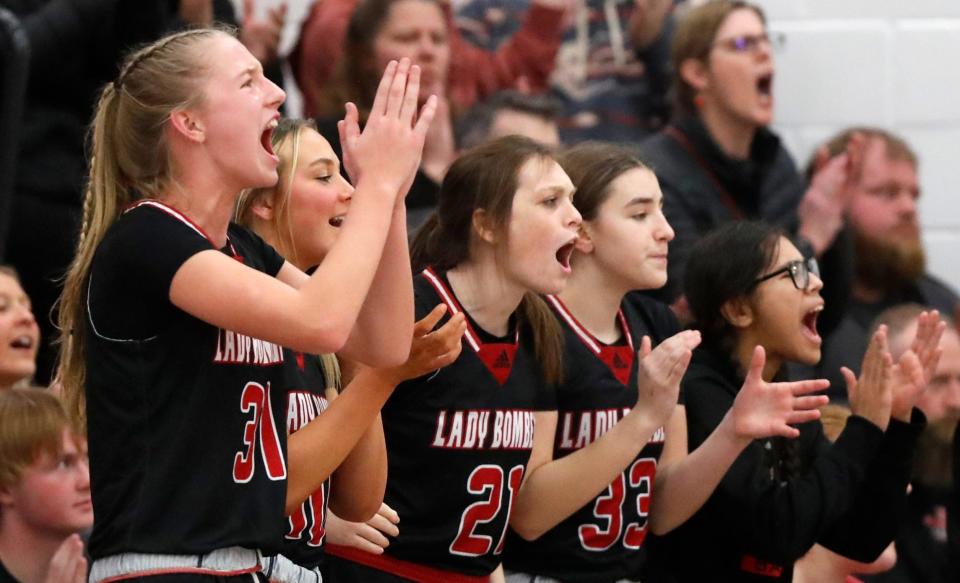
x,y
719,161
752,292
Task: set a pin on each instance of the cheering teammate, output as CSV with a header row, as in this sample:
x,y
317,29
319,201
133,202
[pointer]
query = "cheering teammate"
x,y
302,217
607,497
748,285
173,319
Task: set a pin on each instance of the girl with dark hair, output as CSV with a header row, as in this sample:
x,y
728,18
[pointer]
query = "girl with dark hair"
x,y
460,438
752,292
649,483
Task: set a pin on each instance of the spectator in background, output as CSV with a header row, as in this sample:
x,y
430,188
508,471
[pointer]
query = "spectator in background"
x,y
526,59
719,162
922,541
888,255
19,334
44,490
507,113
385,30
611,70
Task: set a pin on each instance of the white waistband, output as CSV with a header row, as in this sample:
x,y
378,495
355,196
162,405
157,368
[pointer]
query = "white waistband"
x,y
223,562
280,569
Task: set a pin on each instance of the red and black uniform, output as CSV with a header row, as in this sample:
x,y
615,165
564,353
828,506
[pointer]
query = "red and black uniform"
x,y
458,442
186,441
602,541
304,535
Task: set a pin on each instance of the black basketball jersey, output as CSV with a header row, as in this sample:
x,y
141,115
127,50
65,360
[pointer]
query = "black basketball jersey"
x,y
602,541
5,576
186,442
458,441
304,529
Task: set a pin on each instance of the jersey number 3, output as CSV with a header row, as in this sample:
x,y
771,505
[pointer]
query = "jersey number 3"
x,y
261,427
609,508
490,480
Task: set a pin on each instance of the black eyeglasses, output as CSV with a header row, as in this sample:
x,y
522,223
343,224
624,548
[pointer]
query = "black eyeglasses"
x,y
751,43
799,271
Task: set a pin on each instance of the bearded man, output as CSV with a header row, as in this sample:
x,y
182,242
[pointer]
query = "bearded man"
x,y
890,268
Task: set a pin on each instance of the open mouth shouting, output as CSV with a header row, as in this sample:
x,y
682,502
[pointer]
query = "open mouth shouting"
x,y
809,324
266,137
337,221
565,253
765,87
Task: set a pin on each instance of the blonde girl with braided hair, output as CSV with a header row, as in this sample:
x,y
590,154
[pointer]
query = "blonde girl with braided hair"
x,y
175,321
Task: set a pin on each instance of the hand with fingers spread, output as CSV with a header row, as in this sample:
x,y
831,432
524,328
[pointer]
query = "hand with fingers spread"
x,y
917,366
261,36
431,349
871,396
660,372
369,536
389,148
764,409
68,565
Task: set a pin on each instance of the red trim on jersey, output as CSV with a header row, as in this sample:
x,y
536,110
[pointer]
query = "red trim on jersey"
x,y
619,359
182,571
413,571
496,356
751,564
185,220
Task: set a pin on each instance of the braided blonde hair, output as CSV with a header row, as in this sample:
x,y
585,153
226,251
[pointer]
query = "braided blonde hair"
x,y
130,160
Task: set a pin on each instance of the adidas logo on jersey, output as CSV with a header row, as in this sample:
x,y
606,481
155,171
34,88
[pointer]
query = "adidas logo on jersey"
x,y
503,360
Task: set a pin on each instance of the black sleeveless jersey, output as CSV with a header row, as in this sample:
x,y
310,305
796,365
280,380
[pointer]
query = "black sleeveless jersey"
x,y
304,529
600,542
186,442
458,441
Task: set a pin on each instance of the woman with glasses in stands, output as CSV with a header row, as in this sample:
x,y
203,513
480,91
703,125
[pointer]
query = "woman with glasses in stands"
x,y
718,160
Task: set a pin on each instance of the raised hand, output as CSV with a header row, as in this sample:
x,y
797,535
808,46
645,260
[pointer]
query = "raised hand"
x,y
261,36
369,536
871,396
68,564
660,372
388,149
916,366
764,409
823,205
432,349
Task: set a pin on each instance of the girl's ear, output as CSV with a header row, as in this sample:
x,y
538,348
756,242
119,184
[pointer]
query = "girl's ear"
x,y
584,244
738,312
187,124
484,226
262,207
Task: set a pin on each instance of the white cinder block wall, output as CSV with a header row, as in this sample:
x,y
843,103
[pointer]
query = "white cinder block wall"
x,y
889,63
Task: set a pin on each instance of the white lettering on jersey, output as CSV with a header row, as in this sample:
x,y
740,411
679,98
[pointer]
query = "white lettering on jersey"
x,y
579,429
235,348
506,429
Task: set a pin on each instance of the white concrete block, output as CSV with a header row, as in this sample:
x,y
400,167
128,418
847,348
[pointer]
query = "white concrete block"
x,y
942,248
939,201
833,73
926,81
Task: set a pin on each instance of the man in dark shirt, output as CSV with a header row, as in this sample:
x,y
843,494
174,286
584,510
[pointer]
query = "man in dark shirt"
x,y
889,261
